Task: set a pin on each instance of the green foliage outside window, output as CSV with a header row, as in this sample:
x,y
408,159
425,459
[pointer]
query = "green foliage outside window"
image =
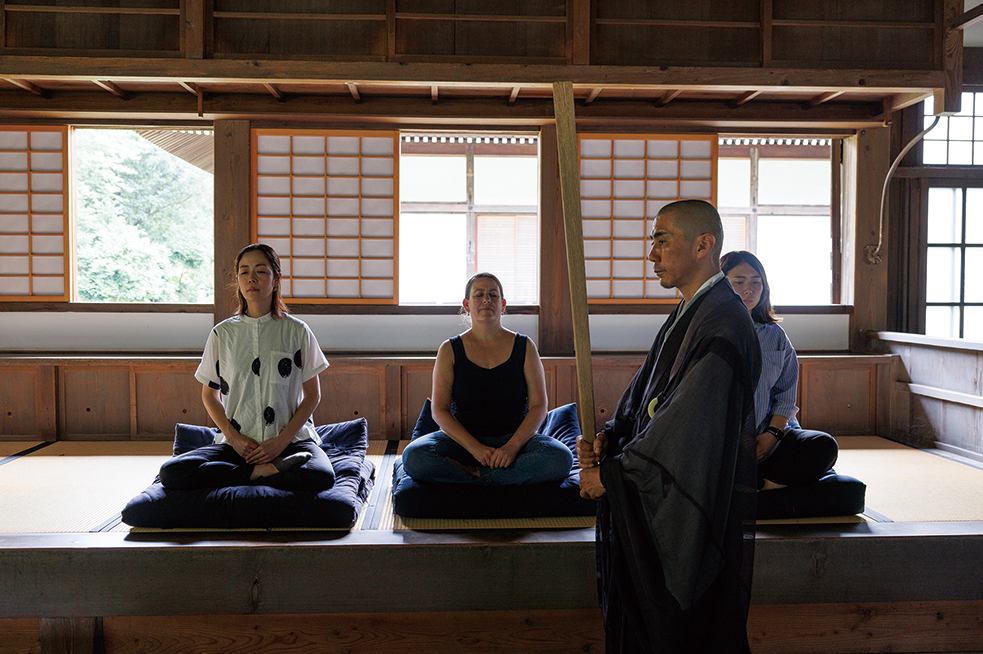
x,y
144,221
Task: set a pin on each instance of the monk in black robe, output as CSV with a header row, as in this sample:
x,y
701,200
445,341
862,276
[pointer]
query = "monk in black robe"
x,y
674,470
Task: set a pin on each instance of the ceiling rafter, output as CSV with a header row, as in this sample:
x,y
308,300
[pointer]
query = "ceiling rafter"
x,y
514,95
594,92
274,91
112,88
434,93
668,97
744,98
353,89
30,87
822,98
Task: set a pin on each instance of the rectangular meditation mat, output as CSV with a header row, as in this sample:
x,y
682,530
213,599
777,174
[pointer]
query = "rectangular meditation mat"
x,y
905,484
75,486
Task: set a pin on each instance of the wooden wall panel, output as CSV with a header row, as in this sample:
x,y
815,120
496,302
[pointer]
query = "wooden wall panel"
x,y
841,399
416,382
94,402
350,391
20,635
940,626
166,396
611,378
18,402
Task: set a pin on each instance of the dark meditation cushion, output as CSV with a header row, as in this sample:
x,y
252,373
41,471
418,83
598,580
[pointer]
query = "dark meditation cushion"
x,y
831,495
258,505
413,499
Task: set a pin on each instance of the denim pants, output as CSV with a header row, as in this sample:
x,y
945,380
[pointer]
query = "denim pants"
x,y
437,458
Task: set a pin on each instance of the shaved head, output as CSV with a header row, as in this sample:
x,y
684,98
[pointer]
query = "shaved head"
x,y
695,217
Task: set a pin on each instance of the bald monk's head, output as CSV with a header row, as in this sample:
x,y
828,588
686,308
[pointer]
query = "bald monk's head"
x,y
687,239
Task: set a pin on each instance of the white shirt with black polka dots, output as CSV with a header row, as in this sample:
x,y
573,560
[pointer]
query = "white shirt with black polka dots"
x,y
260,366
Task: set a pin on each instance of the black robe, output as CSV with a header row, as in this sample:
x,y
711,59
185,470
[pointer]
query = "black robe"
x,y
675,531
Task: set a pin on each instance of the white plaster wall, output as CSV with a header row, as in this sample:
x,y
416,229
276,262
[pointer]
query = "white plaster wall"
x,y
634,333
186,332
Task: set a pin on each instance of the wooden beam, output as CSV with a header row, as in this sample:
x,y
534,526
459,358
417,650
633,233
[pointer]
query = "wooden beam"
x,y
904,100
190,88
594,92
822,98
744,98
30,87
568,160
967,19
415,110
692,78
353,89
112,88
667,98
390,30
433,94
514,95
767,11
952,57
232,207
579,31
555,318
193,21
274,91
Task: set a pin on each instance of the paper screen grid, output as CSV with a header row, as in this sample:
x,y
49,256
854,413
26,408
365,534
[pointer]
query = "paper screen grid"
x,y
327,201
33,234
624,181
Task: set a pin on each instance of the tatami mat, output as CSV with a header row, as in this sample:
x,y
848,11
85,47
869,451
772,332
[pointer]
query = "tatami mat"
x,y
905,484
75,486
9,448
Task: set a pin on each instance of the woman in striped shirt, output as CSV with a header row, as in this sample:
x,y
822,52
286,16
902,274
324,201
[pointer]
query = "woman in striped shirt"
x,y
787,454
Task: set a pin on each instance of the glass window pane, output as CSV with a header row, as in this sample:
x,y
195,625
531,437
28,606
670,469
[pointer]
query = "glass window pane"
x,y
942,322
974,275
973,324
734,183
942,284
432,258
941,130
974,215
795,251
960,153
794,181
945,215
966,105
506,180
961,128
935,152
735,233
425,178
144,228
508,246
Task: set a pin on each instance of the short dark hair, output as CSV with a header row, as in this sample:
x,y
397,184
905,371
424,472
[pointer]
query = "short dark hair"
x,y
701,218
763,312
277,308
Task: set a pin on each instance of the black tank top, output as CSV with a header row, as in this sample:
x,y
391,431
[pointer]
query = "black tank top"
x,y
490,402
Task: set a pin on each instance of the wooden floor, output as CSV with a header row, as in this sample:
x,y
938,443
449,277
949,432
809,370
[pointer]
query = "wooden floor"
x,y
894,581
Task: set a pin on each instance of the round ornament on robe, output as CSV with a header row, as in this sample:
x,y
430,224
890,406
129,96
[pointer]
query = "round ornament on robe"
x,y
652,405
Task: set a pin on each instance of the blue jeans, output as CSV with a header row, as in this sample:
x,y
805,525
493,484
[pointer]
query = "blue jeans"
x,y
437,458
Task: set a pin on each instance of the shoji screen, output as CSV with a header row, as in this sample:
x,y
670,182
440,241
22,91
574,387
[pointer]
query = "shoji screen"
x,y
625,180
327,201
34,244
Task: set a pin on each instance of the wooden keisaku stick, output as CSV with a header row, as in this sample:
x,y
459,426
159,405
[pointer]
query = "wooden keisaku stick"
x,y
566,145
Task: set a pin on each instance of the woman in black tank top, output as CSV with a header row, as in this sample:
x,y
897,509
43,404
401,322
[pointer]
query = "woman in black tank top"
x,y
489,399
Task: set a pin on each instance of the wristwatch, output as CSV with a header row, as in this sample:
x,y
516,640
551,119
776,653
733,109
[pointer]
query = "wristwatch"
x,y
775,431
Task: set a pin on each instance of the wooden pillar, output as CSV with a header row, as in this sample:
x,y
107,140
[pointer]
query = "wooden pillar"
x,y
569,164
952,57
69,635
232,203
866,159
555,320
196,19
580,31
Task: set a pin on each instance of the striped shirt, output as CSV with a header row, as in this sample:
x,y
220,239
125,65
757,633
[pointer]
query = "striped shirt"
x,y
775,394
